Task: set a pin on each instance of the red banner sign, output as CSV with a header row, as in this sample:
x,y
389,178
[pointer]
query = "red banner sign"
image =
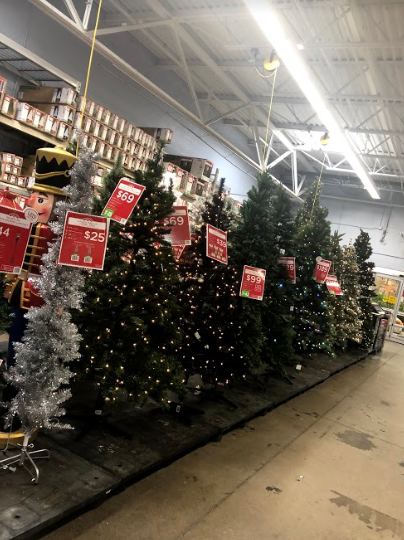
x,y
84,241
290,264
178,222
123,200
333,286
253,283
178,252
216,244
14,236
321,270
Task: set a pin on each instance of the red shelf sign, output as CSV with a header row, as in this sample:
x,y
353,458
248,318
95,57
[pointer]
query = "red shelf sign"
x,y
84,241
253,283
178,222
321,270
178,252
333,286
14,235
123,200
290,264
216,244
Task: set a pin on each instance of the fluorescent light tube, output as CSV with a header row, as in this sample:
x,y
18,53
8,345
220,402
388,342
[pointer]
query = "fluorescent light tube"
x,y
271,26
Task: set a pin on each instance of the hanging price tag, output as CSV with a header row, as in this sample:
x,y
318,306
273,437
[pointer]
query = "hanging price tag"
x,y
84,241
290,264
123,200
14,235
333,286
216,244
178,252
321,270
178,222
253,283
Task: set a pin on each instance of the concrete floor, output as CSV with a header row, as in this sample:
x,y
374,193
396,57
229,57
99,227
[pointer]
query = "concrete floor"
x,y
328,465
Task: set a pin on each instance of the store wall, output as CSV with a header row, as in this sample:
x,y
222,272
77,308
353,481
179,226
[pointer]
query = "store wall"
x,y
383,223
24,23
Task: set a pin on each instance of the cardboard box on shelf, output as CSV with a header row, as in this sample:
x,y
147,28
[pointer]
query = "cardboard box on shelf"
x,y
40,119
88,105
64,131
22,181
16,170
112,136
108,150
5,157
25,113
11,179
51,125
3,85
64,113
113,121
163,134
122,125
120,139
9,106
18,161
99,146
47,94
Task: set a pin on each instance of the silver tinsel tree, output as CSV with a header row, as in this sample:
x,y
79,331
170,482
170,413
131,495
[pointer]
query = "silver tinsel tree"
x,y
51,340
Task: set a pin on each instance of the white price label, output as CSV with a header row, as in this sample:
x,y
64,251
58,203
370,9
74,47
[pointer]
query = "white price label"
x,y
174,220
94,236
254,279
125,196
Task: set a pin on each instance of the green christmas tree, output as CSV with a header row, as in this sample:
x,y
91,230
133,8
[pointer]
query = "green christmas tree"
x,y
335,303
279,300
253,245
313,321
207,297
367,284
129,320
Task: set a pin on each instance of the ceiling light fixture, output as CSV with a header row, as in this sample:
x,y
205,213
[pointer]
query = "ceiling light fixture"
x,y
272,27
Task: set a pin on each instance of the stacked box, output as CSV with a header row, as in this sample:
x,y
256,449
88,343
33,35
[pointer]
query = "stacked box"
x,y
9,106
3,84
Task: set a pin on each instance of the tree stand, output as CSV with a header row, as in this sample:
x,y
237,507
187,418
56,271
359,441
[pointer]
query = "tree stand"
x,y
24,455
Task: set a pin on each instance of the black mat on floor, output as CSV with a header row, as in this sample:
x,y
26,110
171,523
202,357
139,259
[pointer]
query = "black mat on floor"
x,y
93,461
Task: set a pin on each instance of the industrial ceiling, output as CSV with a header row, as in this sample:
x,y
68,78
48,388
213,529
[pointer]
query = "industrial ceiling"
x,y
353,49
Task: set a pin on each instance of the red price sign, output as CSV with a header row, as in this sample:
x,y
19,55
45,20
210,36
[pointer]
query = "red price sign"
x,y
178,252
14,235
123,200
84,241
333,286
253,283
290,264
178,222
216,244
321,270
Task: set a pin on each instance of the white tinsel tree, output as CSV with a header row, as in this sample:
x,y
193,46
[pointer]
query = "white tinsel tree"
x,y
51,340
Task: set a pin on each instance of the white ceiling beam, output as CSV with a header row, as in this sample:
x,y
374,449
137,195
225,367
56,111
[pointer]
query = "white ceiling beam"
x,y
130,27
140,79
323,45
356,99
73,12
187,72
224,115
87,13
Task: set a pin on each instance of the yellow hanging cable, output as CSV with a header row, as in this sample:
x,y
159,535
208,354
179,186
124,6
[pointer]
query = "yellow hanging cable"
x,y
90,62
268,121
317,188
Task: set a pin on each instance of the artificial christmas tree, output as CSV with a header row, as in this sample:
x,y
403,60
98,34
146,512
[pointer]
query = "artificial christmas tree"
x,y
345,308
367,285
279,299
313,322
208,295
129,319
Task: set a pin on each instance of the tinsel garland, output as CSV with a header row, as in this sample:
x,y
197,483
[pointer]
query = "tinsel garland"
x,y
51,340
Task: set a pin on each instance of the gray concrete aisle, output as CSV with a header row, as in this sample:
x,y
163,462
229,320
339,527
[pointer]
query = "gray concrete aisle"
x,y
328,465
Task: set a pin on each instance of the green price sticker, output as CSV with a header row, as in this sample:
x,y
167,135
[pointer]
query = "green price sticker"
x,y
108,213
245,293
